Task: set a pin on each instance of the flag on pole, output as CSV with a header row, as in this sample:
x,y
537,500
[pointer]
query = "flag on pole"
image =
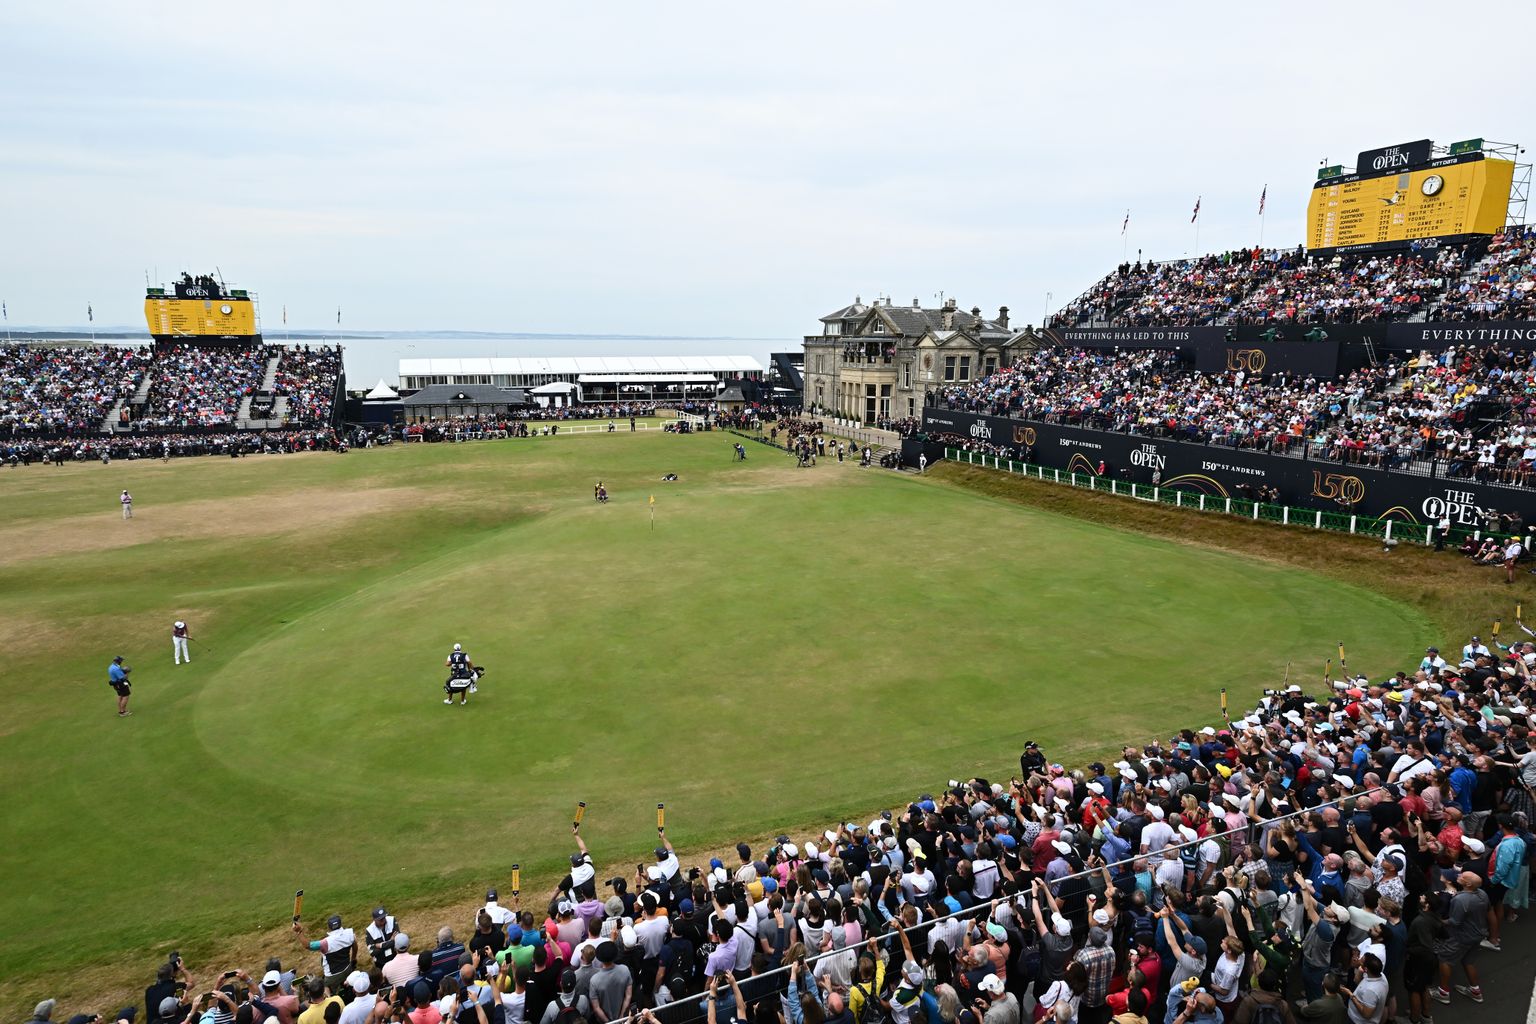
x,y
285,314
338,314
4,313
1262,196
1196,215
653,499
90,314
1125,223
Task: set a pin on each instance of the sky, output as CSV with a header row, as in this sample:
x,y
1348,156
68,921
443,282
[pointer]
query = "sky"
x,y
670,168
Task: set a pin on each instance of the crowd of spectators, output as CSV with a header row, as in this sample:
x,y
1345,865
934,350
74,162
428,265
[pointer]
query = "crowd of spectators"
x,y
1353,855
1391,415
309,378
64,391
194,386
1502,287
104,447
1371,288
1495,280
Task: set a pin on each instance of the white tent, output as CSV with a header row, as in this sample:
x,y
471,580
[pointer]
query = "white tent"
x,y
555,387
383,391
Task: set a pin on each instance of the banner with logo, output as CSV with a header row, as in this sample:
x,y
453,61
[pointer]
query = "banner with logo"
x,y
1220,472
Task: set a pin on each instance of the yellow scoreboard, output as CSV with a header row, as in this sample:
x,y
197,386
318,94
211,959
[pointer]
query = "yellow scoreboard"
x,y
1444,198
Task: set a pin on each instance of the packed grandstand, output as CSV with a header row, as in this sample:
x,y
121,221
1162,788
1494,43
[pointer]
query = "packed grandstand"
x,y
1484,280
1363,846
1469,407
85,391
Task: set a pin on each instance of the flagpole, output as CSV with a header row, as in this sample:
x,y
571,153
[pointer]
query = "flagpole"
x,y
1264,195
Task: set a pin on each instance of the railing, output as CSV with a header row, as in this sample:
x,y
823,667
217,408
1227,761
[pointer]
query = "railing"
x,y
1386,530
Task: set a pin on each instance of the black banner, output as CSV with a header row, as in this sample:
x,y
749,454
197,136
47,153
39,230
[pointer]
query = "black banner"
x,y
1334,350
1256,350
1220,472
1394,158
1437,336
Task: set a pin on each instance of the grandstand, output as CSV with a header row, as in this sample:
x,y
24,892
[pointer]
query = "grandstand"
x,y
82,392
1489,279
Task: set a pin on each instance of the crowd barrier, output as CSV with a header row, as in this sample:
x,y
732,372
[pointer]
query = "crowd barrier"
x,y
1408,495
1285,515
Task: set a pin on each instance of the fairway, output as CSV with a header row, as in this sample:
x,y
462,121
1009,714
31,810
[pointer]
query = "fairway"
x,y
786,646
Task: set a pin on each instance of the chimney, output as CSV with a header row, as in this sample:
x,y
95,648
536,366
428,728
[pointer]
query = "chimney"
x,y
947,317
949,303
976,312
916,304
1002,317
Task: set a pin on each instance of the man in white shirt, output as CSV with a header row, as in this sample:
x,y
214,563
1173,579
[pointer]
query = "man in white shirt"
x,y
1156,835
500,915
1477,648
360,1009
652,928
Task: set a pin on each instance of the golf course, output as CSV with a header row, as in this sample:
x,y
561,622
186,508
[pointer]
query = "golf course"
x,y
763,648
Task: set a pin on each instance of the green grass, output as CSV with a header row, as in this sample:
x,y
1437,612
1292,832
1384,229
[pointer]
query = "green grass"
x,y
786,646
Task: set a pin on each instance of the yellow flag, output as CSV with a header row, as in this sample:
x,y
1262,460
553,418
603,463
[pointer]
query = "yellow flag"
x,y
653,499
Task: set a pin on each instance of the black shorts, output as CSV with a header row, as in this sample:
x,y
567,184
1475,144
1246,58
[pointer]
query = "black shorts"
x,y
1496,893
1420,970
122,688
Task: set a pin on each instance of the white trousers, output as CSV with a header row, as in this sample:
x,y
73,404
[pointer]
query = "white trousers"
x,y
128,511
179,646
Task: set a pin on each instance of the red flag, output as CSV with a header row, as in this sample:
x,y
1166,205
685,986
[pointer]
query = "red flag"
x,y
1262,196
1196,215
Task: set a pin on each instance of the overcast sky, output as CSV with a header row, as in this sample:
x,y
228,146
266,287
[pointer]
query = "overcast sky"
x,y
689,168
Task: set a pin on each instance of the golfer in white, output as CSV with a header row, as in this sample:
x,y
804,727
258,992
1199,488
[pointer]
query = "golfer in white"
x,y
179,642
127,500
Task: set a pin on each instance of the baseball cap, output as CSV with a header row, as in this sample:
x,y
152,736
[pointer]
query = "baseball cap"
x,y
402,942
169,1005
568,981
1474,846
607,952
333,922
912,972
564,907
992,984
379,912
686,906
661,852
358,982
271,979
490,895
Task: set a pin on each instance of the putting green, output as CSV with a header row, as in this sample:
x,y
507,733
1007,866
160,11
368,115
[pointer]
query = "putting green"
x,y
784,647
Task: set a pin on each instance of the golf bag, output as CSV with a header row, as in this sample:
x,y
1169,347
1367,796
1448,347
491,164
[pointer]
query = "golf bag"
x,y
457,685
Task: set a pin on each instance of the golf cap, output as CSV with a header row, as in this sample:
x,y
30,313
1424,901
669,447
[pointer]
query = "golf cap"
x,y
576,859
169,1005
271,979
183,625
564,908
118,658
568,981
912,972
1476,847
333,922
379,912
490,896
402,942
358,982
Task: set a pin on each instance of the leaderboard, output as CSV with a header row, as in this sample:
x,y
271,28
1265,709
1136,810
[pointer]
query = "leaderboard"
x,y
1444,198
